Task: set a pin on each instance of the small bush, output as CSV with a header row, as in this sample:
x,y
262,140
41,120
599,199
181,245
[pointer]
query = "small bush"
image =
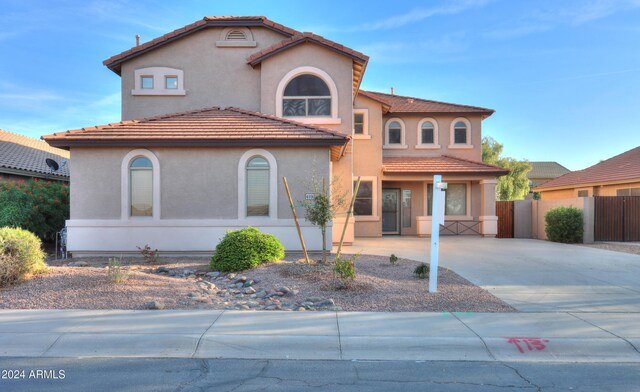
x,y
564,224
345,269
393,259
422,271
117,273
150,255
245,249
20,254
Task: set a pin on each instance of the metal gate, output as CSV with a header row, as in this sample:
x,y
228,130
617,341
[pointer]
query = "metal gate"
x,y
504,211
617,218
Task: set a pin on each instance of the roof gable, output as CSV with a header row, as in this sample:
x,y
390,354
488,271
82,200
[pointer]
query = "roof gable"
x,y
114,62
622,167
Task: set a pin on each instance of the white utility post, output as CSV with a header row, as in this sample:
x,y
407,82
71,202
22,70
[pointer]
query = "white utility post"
x,y
437,218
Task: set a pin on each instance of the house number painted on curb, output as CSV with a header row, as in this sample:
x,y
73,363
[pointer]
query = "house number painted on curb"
x,y
531,344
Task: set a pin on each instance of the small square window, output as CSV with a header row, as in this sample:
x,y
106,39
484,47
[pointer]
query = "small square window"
x,y
146,82
171,82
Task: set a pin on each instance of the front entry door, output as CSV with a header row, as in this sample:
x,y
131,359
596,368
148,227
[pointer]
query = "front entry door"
x,y
391,211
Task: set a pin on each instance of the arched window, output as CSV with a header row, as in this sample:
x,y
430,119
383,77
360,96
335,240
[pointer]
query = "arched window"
x,y
460,133
258,193
140,187
394,136
306,96
427,135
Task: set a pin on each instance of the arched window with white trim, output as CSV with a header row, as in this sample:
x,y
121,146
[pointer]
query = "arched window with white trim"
x,y
258,186
140,187
394,134
427,134
460,132
306,96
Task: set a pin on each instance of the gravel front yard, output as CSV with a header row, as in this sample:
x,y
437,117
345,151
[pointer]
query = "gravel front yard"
x,y
286,285
633,248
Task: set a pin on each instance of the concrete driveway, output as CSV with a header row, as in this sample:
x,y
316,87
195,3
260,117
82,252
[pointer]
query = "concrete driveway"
x,y
530,275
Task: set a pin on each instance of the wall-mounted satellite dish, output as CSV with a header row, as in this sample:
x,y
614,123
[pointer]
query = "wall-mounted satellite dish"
x,y
53,165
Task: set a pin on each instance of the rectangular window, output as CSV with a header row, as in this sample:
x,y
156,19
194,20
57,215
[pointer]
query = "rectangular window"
x,y
628,192
427,136
395,136
364,199
358,123
171,82
141,183
257,192
406,208
583,193
146,82
460,136
455,200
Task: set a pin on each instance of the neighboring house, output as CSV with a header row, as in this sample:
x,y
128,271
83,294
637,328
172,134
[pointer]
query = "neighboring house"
x,y
216,113
23,158
617,176
542,172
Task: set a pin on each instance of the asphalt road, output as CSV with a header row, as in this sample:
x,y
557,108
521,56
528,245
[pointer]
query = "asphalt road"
x,y
155,375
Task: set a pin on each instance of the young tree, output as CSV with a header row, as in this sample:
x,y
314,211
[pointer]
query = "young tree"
x,y
323,208
514,185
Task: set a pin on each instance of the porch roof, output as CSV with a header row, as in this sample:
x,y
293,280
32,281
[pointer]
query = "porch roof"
x,y
443,164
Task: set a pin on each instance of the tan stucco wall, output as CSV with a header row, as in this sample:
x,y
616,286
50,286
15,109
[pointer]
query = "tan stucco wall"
x,y
196,183
213,76
598,190
444,125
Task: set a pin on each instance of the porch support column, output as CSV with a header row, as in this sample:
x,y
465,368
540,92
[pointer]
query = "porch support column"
x,y
488,218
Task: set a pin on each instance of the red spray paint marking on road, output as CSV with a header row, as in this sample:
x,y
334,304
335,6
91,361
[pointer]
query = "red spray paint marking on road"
x,y
537,344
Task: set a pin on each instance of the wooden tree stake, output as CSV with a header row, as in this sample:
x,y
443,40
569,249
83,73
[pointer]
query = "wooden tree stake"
x,y
295,218
346,221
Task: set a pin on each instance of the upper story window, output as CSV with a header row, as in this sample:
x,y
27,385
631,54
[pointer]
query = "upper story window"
x,y
158,81
394,134
306,96
428,134
361,124
460,134
236,37
141,187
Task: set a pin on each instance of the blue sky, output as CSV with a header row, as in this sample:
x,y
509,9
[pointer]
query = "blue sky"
x,y
563,75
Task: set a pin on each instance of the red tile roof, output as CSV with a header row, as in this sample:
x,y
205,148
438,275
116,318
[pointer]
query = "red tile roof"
x,y
204,127
548,170
443,164
18,152
404,104
208,21
256,58
624,167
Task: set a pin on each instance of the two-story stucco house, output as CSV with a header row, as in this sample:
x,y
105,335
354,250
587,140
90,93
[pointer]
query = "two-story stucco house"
x,y
214,115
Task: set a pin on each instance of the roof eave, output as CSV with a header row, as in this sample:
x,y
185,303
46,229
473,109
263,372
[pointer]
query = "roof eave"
x,y
64,143
290,45
452,173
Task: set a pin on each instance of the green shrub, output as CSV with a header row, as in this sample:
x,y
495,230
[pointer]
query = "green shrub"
x,y
422,271
393,259
35,205
564,224
20,254
345,269
244,249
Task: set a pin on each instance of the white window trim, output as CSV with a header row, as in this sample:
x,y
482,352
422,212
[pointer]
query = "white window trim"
x,y
403,143
365,127
158,74
248,43
125,193
454,146
466,217
374,200
436,135
333,90
242,184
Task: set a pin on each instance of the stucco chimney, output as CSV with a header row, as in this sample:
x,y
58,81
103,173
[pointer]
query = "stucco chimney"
x,y
137,39
392,92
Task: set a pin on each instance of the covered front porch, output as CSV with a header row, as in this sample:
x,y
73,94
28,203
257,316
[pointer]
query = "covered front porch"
x,y
402,198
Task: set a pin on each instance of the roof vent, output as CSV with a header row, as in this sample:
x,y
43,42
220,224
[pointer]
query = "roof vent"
x,y
411,100
236,35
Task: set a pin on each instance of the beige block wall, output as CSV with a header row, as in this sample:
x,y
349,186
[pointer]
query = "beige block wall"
x,y
213,76
444,124
540,207
196,183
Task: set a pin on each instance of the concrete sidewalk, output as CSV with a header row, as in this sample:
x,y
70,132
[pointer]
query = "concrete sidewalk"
x,y
531,337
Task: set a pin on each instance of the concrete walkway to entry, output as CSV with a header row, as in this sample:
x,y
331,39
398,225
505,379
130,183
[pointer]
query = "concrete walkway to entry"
x,y
530,275
531,337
